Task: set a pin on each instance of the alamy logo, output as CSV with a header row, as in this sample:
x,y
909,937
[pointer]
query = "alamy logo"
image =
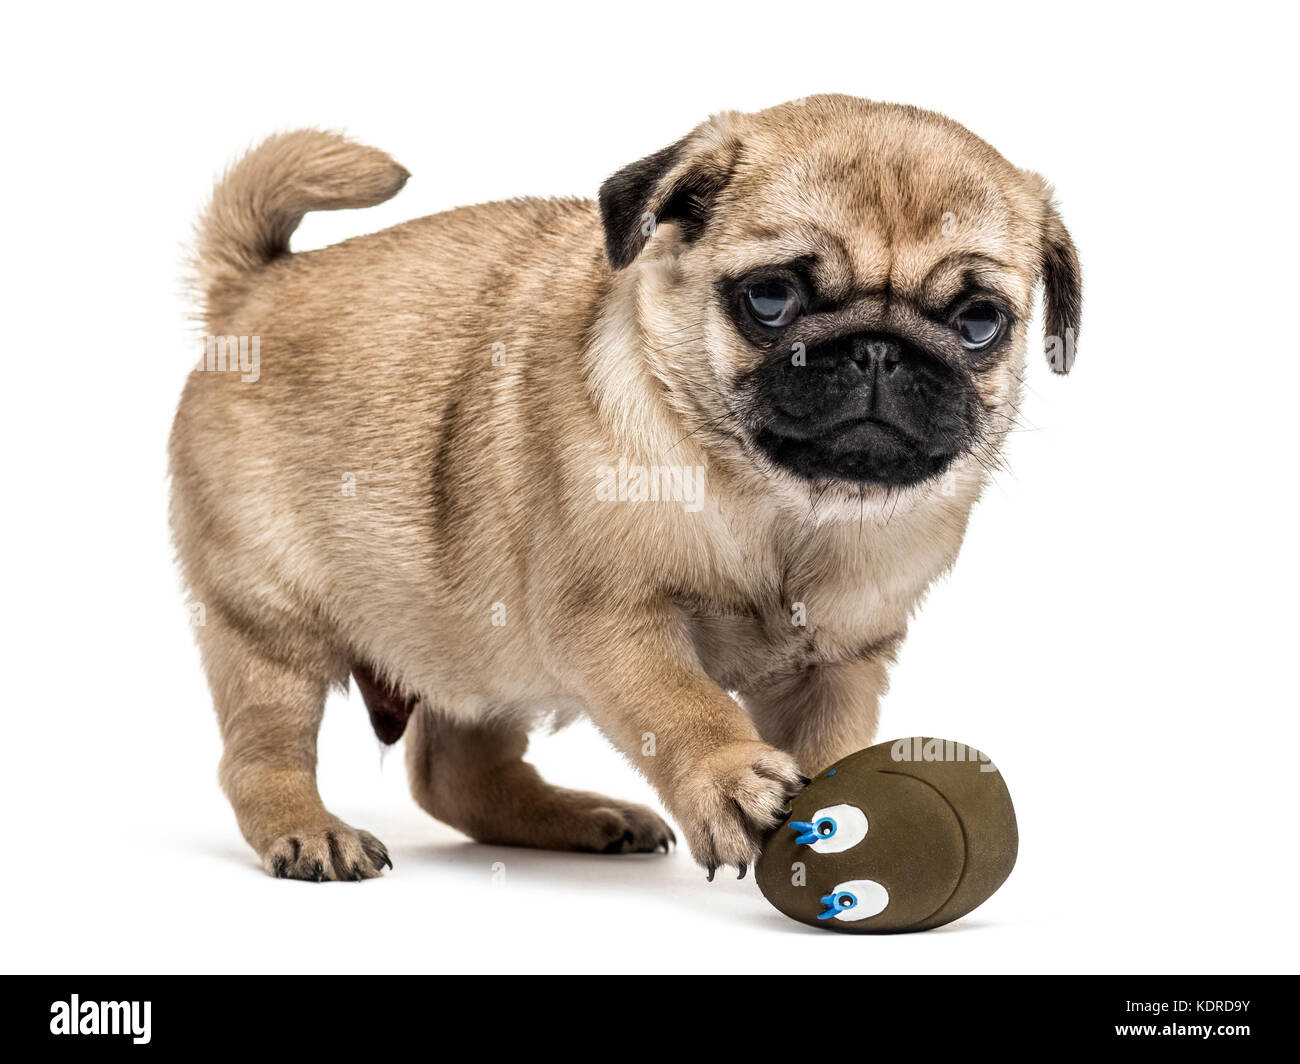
x,y
232,354
628,482
102,1017
918,749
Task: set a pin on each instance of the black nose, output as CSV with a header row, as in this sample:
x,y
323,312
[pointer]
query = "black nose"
x,y
871,378
886,351
863,385
901,387
864,376
866,406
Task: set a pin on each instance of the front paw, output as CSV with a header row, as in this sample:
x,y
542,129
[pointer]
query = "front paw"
x,y
732,799
329,850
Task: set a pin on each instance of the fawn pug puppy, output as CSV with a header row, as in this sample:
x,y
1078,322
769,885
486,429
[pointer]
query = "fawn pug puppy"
x,y
455,475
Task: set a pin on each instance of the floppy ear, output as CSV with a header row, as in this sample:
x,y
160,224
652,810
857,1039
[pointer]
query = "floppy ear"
x,y
1062,286
678,184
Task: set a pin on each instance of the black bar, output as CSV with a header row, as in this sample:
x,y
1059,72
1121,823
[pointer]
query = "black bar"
x,y
304,1016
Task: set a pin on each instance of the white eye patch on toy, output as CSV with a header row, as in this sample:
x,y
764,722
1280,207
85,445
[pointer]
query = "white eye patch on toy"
x,y
833,829
855,900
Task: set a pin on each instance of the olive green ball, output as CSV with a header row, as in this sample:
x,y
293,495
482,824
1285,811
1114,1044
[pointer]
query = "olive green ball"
x,y
903,836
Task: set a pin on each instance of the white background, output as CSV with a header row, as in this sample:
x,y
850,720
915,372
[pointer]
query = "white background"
x,y
1119,632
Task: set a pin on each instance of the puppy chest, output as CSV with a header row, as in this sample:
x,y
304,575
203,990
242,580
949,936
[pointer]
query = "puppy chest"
x,y
741,648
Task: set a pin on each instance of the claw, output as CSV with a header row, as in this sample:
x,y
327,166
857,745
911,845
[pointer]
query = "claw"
x,y
712,869
743,869
805,780
281,867
318,872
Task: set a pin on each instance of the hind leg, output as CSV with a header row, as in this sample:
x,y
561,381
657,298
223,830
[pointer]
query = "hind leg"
x,y
473,777
270,696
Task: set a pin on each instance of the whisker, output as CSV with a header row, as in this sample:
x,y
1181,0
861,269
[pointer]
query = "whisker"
x,y
688,340
708,424
693,325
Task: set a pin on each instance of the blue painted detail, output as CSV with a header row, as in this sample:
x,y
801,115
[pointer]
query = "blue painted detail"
x,y
807,831
837,902
810,832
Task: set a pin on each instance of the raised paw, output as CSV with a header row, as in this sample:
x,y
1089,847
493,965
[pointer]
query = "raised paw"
x,y
733,798
329,851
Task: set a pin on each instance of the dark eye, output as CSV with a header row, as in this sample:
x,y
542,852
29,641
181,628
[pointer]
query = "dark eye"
x,y
772,303
978,325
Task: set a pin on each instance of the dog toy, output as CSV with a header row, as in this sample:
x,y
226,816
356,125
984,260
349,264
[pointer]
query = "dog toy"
x,y
903,836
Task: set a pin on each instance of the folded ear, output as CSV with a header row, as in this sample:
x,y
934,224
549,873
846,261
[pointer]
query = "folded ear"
x,y
678,184
1062,285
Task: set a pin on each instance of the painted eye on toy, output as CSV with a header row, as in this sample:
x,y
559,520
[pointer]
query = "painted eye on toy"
x,y
833,829
855,900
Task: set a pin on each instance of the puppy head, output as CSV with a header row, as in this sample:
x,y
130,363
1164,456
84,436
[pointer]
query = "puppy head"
x,y
839,289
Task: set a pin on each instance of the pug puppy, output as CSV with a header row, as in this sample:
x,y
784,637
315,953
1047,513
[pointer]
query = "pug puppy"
x,y
684,460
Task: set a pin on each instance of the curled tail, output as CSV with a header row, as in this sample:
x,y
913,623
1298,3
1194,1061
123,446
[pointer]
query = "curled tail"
x,y
260,200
